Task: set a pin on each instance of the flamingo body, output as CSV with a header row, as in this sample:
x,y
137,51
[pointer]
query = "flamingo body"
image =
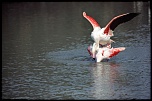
x,y
105,52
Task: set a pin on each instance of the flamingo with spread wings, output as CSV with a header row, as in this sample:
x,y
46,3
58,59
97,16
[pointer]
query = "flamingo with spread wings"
x,y
101,36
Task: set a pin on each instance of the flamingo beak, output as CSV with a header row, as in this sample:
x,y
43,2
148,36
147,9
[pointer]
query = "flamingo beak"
x,y
91,54
89,51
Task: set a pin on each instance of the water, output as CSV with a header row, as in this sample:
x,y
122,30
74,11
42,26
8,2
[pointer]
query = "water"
x,y
44,52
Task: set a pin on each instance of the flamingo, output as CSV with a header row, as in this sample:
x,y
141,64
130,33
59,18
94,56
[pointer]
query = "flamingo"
x,y
105,52
101,36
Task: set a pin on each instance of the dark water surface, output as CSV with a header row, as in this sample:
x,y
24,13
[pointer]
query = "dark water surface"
x,y
44,52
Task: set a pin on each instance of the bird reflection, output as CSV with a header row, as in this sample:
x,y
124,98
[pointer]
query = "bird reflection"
x,y
104,74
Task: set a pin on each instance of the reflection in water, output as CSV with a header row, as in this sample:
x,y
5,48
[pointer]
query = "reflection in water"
x,y
104,73
138,6
149,15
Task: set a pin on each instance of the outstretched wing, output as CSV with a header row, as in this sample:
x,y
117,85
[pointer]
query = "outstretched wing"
x,y
93,22
115,51
119,20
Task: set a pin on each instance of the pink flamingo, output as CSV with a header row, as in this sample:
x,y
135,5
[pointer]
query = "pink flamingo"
x,y
101,36
105,52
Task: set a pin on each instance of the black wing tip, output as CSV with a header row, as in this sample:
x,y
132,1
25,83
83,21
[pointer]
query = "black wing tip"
x,y
124,18
138,13
135,14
